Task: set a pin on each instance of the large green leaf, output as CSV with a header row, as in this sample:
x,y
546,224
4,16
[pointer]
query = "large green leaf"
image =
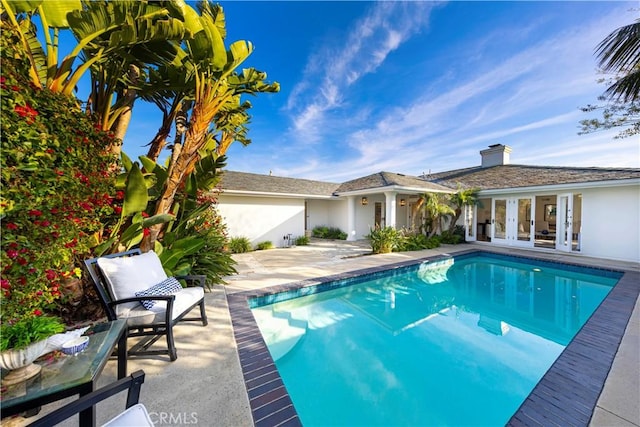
x,y
180,248
55,12
216,49
104,246
154,168
157,219
206,171
126,161
191,19
132,235
238,52
22,6
182,269
135,195
39,58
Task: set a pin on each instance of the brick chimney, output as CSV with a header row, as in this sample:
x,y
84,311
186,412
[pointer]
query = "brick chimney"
x,y
495,155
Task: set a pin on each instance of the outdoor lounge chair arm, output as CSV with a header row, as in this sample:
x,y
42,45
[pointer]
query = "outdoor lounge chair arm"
x,y
194,280
133,383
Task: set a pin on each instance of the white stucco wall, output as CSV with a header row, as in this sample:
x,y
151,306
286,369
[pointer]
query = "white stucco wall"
x,y
331,213
338,215
611,223
262,218
365,215
318,213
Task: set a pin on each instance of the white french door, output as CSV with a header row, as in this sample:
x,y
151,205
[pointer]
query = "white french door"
x,y
470,229
499,220
564,224
512,223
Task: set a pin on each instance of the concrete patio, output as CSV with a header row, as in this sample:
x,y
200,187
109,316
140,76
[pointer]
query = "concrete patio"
x,y
205,385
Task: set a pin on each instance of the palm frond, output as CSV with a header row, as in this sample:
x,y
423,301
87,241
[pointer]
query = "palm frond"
x,y
626,88
619,53
620,50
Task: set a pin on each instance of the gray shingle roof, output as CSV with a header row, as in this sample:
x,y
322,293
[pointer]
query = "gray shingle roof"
x,y
490,178
255,183
514,176
386,179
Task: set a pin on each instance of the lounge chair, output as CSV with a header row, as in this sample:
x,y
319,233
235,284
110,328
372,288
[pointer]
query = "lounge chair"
x,y
134,286
134,415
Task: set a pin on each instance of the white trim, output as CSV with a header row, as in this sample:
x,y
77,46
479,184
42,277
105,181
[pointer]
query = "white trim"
x,y
272,194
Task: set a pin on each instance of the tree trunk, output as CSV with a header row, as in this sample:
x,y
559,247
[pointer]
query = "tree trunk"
x,y
455,219
434,227
128,98
414,212
225,142
184,157
183,160
159,141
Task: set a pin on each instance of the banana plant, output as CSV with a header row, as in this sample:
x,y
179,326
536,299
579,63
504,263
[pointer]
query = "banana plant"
x,y
216,85
116,42
130,228
461,198
437,208
43,61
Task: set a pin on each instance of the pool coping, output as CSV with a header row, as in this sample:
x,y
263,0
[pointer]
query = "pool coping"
x,y
567,394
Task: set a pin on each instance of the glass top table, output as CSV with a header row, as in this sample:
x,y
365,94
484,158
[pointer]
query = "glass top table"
x,y
66,375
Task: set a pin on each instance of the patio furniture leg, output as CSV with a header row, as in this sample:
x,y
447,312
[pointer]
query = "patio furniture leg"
x,y
122,354
203,314
173,353
87,417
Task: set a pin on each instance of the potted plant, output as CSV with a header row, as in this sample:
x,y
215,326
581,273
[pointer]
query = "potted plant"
x,y
22,342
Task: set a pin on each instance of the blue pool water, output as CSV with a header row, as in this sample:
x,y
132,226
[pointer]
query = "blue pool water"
x,y
451,342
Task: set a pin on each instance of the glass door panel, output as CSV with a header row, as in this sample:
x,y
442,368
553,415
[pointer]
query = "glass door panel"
x,y
523,235
470,223
564,226
499,219
379,215
512,222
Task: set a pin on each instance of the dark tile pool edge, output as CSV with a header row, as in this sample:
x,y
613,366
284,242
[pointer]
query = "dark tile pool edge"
x,y
566,395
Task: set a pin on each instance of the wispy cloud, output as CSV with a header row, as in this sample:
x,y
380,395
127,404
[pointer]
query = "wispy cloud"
x,y
334,69
495,102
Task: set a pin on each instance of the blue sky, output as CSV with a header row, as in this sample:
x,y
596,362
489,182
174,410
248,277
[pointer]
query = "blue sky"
x,y
419,86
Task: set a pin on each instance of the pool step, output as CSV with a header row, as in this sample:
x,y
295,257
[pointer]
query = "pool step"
x,y
281,332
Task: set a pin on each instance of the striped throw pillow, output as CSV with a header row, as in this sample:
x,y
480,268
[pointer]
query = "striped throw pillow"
x,y
168,286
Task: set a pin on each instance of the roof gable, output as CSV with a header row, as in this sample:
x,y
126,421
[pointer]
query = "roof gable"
x,y
389,179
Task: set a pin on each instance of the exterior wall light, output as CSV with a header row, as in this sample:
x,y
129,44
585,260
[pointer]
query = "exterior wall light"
x,y
403,202
364,201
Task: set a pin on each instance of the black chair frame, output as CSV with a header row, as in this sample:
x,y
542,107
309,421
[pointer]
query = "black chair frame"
x,y
132,383
152,331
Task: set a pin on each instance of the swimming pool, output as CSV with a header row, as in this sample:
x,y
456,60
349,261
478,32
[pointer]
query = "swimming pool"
x,y
267,394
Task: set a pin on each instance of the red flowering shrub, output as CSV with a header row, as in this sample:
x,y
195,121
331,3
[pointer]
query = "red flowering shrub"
x,y
55,189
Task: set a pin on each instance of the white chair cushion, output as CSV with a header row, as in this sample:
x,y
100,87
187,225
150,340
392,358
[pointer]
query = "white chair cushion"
x,y
135,416
138,315
127,275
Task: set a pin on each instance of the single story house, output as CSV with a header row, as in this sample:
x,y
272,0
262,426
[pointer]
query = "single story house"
x,y
591,211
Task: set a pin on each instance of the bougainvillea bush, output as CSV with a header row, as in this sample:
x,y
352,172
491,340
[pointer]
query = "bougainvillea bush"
x,y
57,191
